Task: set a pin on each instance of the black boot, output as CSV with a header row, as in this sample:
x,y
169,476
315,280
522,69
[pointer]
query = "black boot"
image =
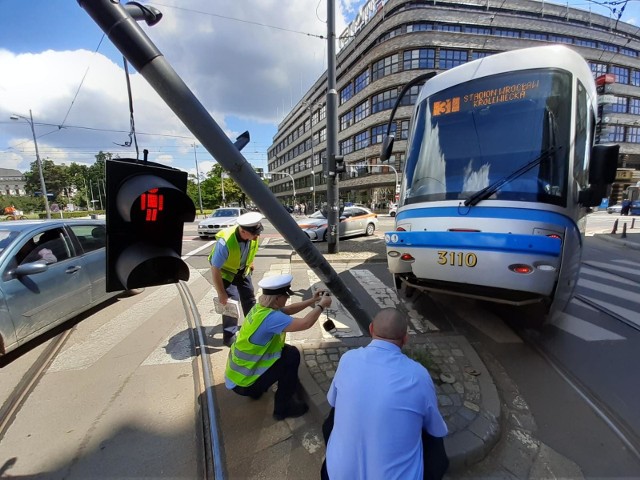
x,y
292,409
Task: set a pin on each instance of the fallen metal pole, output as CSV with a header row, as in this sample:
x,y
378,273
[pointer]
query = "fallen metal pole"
x,y
147,59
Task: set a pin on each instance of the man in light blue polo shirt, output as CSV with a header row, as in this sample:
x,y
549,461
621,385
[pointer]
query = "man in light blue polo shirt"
x,y
383,402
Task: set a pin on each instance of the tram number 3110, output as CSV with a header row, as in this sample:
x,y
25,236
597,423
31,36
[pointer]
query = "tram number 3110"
x,y
457,259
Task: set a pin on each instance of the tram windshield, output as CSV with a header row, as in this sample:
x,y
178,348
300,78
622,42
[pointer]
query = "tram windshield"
x,y
509,133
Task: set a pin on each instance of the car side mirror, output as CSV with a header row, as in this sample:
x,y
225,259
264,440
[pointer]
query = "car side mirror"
x,y
30,268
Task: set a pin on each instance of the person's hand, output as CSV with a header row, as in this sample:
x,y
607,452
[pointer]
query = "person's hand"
x,y
223,297
325,301
318,295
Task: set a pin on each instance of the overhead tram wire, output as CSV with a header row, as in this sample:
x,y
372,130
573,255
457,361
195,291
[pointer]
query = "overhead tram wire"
x,y
200,12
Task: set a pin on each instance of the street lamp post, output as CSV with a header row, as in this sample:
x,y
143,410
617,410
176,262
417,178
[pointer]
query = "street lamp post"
x,y
293,183
198,178
42,184
310,106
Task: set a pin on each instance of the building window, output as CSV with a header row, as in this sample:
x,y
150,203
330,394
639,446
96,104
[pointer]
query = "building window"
x,y
385,67
621,73
361,111
346,146
635,78
362,81
404,129
586,43
346,120
506,33
421,58
534,36
476,55
322,135
452,58
598,69
419,27
346,93
634,106
448,28
628,52
362,140
411,96
323,112
633,135
383,101
477,30
617,134
560,39
377,134
620,105
607,47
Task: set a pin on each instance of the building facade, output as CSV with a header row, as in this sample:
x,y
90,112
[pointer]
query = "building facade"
x,y
12,182
391,42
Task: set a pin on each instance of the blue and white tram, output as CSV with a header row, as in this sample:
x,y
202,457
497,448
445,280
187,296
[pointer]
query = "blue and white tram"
x,y
500,168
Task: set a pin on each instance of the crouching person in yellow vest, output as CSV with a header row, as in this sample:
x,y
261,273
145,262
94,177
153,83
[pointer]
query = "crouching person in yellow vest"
x,y
259,357
231,262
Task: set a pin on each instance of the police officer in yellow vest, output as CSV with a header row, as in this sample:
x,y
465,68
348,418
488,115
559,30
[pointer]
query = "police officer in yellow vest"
x,y
259,357
231,266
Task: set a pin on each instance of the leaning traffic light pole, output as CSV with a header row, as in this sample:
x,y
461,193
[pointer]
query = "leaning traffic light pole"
x,y
136,46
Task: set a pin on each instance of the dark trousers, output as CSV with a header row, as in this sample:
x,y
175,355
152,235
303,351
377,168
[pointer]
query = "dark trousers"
x,y
240,290
434,455
285,372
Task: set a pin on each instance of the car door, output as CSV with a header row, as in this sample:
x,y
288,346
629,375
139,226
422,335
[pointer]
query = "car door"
x,y
90,243
355,223
39,301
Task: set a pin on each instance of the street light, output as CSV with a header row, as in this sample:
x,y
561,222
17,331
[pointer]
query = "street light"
x,y
293,183
198,177
42,184
310,106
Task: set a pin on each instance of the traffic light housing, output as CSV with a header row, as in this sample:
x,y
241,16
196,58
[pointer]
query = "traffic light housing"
x,y
147,206
338,164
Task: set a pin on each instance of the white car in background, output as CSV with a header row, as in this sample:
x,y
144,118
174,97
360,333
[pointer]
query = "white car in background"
x,y
219,219
353,221
393,209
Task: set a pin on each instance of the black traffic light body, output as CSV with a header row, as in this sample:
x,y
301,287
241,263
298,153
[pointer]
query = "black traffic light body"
x,y
147,206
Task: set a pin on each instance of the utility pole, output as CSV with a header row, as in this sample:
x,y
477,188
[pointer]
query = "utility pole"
x,y
332,132
198,177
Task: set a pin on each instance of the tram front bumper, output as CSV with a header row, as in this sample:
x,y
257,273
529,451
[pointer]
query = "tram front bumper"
x,y
526,263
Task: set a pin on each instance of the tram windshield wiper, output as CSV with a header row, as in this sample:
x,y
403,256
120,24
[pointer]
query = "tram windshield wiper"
x,y
489,190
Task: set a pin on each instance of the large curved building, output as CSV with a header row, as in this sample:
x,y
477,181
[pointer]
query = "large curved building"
x,y
391,42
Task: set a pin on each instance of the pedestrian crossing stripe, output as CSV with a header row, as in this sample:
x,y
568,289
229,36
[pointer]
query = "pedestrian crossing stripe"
x,y
88,351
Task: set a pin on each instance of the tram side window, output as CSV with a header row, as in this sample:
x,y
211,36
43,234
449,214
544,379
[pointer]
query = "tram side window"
x,y
582,138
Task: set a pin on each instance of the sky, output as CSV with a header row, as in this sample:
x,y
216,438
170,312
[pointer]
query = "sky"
x,y
247,61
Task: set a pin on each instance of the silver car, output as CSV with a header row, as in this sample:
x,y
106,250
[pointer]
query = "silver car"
x,y
50,272
219,219
353,221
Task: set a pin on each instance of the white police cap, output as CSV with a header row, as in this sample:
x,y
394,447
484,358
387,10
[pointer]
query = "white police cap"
x,y
251,219
276,285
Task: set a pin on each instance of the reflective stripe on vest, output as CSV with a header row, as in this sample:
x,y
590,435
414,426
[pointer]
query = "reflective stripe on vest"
x,y
230,268
248,361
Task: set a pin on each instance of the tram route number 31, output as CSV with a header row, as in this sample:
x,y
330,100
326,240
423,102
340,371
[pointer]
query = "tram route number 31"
x,y
457,259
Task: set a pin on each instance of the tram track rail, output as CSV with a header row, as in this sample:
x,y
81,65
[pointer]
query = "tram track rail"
x,y
32,376
213,458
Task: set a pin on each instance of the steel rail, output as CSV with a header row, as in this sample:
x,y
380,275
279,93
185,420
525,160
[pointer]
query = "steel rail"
x,y
213,440
22,391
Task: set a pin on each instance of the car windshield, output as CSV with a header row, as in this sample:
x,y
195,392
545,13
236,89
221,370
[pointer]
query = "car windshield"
x,y
225,212
6,238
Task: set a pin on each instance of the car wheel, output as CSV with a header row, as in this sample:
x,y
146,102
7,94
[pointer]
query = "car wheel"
x,y
324,237
393,214
370,229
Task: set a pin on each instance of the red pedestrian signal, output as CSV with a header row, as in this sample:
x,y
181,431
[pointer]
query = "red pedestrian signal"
x,y
147,206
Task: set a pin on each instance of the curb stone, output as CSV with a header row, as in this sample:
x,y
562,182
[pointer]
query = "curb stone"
x,y
470,405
